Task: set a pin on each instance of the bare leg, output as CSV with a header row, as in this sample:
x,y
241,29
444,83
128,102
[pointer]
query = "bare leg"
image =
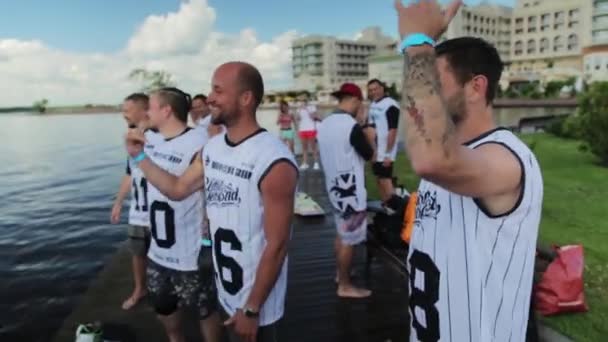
x,y
139,277
290,144
304,151
315,152
172,324
345,287
211,328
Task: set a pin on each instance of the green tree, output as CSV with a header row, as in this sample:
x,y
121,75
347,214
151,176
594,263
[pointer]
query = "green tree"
x,y
392,92
151,79
593,115
41,105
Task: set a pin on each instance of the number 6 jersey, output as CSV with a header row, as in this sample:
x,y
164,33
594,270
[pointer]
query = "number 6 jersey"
x,y
233,173
175,225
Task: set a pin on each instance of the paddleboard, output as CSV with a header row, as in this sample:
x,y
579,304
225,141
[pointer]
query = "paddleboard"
x,y
306,206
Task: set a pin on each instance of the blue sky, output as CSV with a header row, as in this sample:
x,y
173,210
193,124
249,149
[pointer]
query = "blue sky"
x,y
105,26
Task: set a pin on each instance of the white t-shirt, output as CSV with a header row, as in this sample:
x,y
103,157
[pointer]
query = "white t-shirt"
x,y
307,122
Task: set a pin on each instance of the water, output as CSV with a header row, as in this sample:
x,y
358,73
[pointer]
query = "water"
x,y
58,177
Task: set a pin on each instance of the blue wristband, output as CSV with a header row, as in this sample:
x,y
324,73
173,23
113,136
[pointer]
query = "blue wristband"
x,y
415,39
138,158
206,242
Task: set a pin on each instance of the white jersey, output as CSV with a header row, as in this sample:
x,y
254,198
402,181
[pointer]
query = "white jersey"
x,y
233,174
175,225
343,167
306,120
378,117
139,214
471,272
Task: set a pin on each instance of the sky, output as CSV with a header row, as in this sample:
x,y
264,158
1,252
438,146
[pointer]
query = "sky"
x,y
77,52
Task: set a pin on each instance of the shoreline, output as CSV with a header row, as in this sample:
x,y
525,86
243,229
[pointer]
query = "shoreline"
x,y
109,109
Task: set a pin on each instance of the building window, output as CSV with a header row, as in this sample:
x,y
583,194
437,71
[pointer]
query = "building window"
x,y
531,24
531,46
573,42
518,48
544,45
558,44
559,20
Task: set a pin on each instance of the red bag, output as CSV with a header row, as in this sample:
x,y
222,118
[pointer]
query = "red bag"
x,y
561,288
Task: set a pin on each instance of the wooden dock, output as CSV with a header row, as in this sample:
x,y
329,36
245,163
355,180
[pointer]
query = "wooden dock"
x,y
313,311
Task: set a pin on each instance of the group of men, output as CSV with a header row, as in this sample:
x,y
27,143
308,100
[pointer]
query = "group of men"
x,y
219,207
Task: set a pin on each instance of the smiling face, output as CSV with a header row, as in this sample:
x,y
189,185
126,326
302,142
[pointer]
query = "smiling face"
x,y
159,112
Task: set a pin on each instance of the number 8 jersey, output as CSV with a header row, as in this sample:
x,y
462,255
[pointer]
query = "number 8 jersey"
x,y
233,173
175,225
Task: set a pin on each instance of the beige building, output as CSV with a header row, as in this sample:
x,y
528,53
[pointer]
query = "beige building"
x,y
547,39
490,22
323,62
595,54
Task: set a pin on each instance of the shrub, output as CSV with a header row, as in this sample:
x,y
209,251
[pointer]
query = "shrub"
x,y
593,113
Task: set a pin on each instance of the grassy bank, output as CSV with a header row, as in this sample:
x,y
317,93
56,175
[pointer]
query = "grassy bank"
x,y
575,210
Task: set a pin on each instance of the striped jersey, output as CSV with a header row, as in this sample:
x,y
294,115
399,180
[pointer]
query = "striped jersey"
x,y
471,272
175,225
233,174
139,214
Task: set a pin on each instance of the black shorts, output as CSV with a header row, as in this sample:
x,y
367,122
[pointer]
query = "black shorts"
x,y
382,171
172,289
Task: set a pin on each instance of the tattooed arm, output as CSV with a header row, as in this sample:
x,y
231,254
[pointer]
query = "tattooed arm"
x,y
429,130
435,152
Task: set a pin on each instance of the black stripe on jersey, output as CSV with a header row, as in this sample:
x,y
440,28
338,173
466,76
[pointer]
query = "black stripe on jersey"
x,y
435,241
234,144
128,171
275,162
451,217
502,295
476,222
522,182
517,293
466,263
493,249
447,271
483,135
186,130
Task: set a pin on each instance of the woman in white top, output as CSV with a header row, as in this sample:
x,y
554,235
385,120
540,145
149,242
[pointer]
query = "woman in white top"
x,y
307,116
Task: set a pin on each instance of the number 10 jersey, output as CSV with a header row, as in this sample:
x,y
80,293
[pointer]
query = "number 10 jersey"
x,y
233,173
175,225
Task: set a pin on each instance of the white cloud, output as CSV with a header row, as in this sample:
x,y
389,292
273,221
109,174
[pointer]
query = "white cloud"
x,y
183,43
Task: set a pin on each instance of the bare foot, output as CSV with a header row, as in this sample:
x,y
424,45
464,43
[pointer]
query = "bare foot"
x,y
133,300
353,292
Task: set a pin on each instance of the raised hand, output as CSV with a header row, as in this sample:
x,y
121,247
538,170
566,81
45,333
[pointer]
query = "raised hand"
x,y
135,141
425,16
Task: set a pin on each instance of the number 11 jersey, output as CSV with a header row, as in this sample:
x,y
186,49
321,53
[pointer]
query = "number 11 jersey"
x,y
175,225
233,174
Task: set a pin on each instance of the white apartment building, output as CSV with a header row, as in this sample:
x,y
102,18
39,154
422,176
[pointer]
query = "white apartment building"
x,y
324,62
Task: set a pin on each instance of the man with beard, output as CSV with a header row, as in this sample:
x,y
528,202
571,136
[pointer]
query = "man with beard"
x,y
250,180
471,258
